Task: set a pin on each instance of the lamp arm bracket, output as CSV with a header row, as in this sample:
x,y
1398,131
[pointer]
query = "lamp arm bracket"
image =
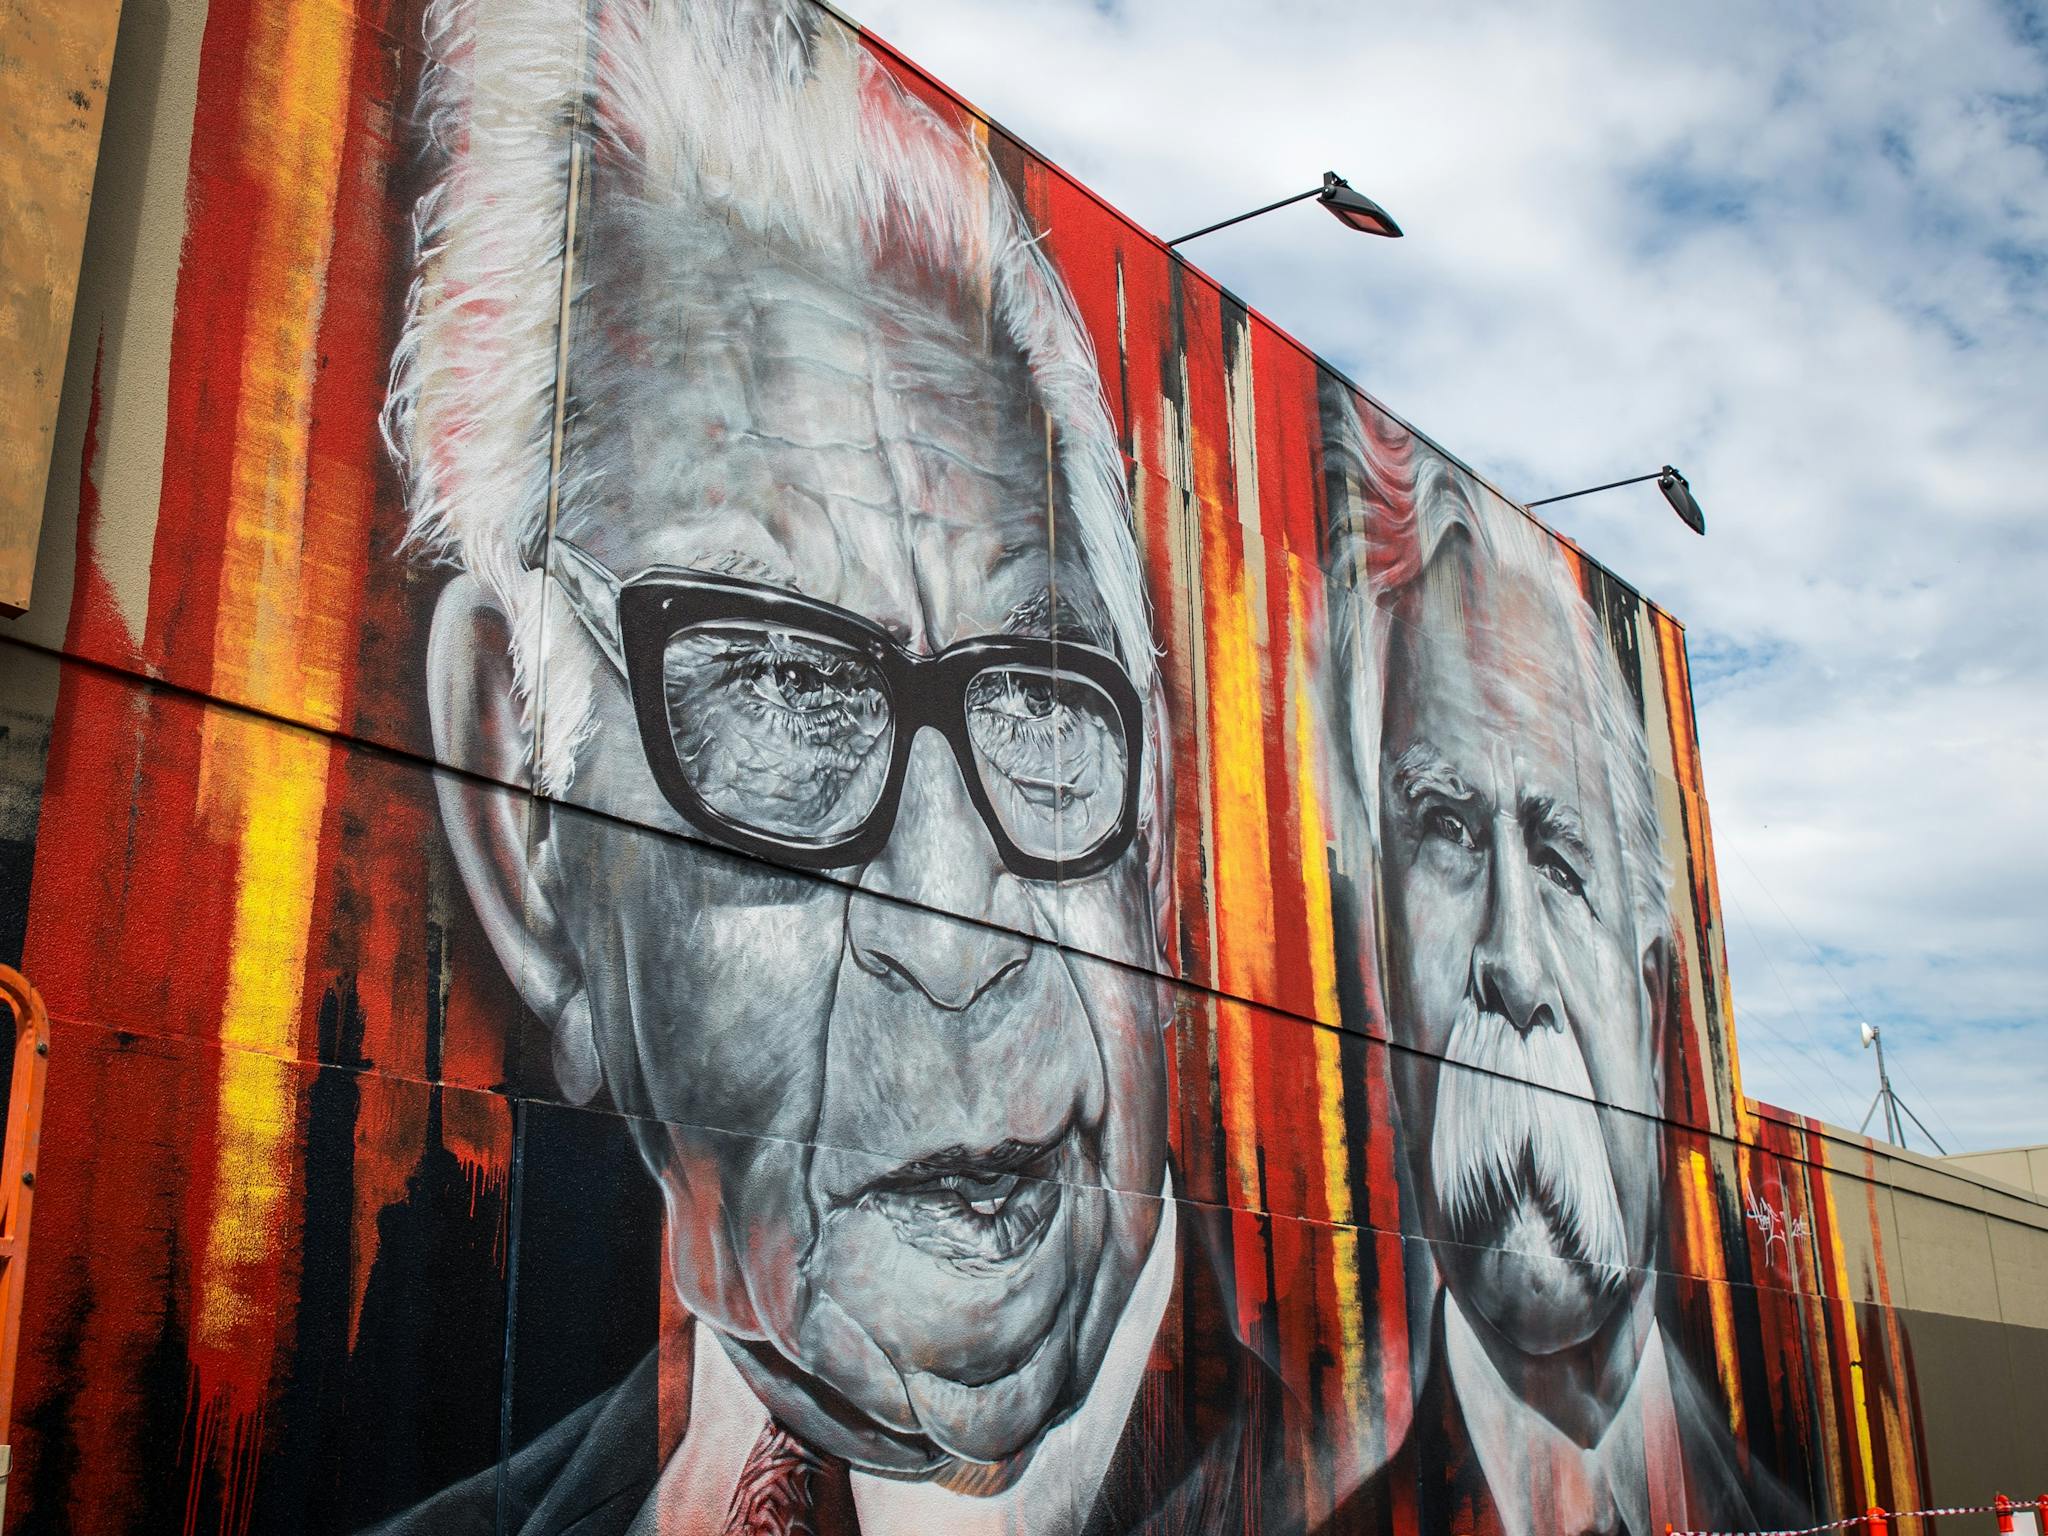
x,y
1210,229
1590,490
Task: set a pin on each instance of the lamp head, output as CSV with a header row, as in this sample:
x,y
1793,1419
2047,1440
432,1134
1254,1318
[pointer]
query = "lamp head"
x,y
1679,494
1355,210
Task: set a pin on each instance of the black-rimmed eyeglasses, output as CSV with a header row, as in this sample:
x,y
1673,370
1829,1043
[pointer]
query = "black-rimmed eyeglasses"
x,y
783,726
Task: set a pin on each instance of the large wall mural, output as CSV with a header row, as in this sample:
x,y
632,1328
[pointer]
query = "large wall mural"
x,y
1527,938
743,821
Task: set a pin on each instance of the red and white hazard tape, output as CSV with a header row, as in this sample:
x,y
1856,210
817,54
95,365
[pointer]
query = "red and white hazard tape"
x,y
1876,1517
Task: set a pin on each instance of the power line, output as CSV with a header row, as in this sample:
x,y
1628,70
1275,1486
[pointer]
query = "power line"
x,y
1794,1060
1758,1032
1854,1006
1806,1049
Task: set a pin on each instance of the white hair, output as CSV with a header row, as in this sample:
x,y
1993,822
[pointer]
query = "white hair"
x,y
1395,505
766,115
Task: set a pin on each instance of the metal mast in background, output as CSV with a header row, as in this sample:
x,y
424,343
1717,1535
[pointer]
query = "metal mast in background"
x,y
1894,1106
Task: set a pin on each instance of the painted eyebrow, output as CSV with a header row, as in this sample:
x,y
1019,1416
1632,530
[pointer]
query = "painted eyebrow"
x,y
1034,616
1423,770
1559,822
748,567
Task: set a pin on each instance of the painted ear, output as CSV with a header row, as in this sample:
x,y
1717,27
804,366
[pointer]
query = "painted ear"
x,y
479,731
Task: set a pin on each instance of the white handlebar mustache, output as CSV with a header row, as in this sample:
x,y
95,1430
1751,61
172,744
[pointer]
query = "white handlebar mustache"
x,y
1523,1124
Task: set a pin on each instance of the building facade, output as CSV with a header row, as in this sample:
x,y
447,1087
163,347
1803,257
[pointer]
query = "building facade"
x,y
733,813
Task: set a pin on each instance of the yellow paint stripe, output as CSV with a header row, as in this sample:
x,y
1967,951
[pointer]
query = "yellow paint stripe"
x,y
1351,1309
1703,1236
1330,1120
1308,792
276,645
256,1103
283,775
1236,758
1235,593
1853,1336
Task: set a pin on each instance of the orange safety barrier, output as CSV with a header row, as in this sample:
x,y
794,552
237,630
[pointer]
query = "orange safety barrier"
x,y
1877,1520
18,1182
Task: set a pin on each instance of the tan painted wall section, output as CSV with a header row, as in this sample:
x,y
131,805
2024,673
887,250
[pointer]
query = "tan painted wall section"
x,y
56,57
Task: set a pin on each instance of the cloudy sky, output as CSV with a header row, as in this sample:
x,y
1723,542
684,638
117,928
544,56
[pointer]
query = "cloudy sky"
x,y
1801,251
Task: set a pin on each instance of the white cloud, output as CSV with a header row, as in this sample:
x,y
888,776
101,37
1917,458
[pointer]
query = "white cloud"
x,y
1802,252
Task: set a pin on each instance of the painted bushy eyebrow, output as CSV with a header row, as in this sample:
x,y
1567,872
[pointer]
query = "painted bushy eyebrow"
x,y
750,567
1422,770
1557,822
1039,616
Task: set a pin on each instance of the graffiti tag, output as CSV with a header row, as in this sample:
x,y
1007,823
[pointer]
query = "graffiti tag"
x,y
1774,1223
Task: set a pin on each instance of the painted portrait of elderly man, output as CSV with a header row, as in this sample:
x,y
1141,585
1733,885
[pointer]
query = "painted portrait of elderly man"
x,y
1503,777
810,607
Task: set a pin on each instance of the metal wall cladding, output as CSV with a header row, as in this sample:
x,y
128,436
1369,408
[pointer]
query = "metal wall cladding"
x,y
547,1038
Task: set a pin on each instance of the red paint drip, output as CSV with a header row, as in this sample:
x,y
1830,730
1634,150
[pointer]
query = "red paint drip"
x,y
96,627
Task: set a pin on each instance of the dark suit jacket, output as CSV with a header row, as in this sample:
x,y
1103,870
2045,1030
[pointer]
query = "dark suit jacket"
x,y
1437,1475
1201,1450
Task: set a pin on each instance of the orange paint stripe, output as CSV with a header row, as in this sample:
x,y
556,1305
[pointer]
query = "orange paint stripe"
x,y
299,71
1706,895
1237,691
1703,1238
1314,831
263,787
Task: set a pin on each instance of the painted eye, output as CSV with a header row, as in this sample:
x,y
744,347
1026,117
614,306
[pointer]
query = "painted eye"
x,y
1051,752
784,734
1449,826
1019,696
807,681
1560,874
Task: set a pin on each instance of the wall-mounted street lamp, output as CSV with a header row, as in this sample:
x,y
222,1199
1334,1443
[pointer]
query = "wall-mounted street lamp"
x,y
1675,487
1351,208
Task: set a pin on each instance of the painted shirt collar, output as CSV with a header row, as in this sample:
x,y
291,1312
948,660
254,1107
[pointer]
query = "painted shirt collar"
x,y
1542,1481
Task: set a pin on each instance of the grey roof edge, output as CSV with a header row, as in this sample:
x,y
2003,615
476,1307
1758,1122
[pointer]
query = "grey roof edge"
x,y
1940,1170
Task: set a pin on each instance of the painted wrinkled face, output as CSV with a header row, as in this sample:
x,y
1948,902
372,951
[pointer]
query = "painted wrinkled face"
x,y
892,1111
1514,957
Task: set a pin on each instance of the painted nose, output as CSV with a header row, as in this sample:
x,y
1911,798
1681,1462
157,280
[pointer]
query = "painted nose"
x,y
931,906
1510,975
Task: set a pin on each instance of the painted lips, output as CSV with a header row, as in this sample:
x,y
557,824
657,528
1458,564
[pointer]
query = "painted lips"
x,y
975,1209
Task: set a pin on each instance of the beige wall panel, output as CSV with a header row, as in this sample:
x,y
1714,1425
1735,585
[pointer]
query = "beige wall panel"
x,y
2021,1256
1869,1231
1939,1181
127,289
55,58
2022,1167
2007,1167
1945,1251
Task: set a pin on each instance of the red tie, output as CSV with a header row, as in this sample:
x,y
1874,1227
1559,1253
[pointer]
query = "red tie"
x,y
787,1489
